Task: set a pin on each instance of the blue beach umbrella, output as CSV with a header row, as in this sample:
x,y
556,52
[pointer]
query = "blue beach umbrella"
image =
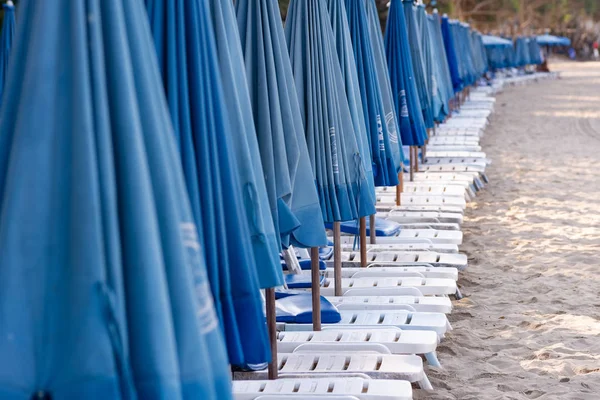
x,y
382,150
279,126
187,54
6,39
445,80
345,52
419,68
451,54
103,288
383,76
535,53
402,81
551,40
337,163
265,238
522,52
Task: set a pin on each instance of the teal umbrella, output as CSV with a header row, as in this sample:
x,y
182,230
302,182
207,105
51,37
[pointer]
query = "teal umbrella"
x,y
103,288
279,125
336,161
185,42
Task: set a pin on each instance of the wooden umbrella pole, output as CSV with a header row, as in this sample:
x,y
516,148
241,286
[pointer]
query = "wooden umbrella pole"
x,y
363,242
373,235
337,258
412,163
316,288
416,159
400,188
272,328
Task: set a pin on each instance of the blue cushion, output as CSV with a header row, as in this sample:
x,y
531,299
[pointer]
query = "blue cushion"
x,y
305,265
298,309
325,253
300,281
383,227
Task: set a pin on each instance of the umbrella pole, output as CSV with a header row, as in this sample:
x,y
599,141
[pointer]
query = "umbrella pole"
x,y
416,158
400,188
337,258
272,328
373,235
316,288
412,163
363,242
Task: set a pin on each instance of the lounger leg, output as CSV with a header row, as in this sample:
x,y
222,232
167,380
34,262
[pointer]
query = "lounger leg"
x,y
424,383
433,360
458,294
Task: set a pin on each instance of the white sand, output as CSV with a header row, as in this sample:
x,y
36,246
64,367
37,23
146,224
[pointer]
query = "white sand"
x,y
529,327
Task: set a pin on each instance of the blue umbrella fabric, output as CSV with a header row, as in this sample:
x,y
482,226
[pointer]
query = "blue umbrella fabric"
x,y
535,53
402,81
551,40
264,237
451,54
345,52
419,68
279,125
337,163
521,52
6,39
445,80
382,150
391,118
185,44
103,288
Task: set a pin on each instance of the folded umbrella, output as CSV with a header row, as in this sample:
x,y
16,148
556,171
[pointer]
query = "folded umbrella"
x,y
451,54
6,39
403,85
279,125
103,289
185,44
384,165
446,78
334,153
264,237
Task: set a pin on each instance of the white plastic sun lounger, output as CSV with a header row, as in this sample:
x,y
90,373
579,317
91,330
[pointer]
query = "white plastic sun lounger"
x,y
478,164
422,199
456,140
427,286
400,215
411,236
472,113
396,270
427,189
396,341
453,147
418,245
393,302
327,388
352,259
372,319
376,366
476,155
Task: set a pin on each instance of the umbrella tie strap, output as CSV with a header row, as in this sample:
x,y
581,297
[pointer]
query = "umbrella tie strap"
x,y
116,338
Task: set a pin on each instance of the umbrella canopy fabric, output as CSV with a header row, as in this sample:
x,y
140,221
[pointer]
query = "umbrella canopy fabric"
x,y
535,53
185,44
495,41
403,85
264,238
345,52
103,289
416,48
337,163
521,52
279,125
551,40
6,39
391,118
451,54
445,80
382,150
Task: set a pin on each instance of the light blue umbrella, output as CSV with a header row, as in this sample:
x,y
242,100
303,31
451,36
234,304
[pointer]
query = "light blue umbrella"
x,y
6,39
521,52
391,118
279,126
403,84
103,289
551,40
382,153
345,52
185,43
535,52
451,54
416,50
337,163
445,79
237,99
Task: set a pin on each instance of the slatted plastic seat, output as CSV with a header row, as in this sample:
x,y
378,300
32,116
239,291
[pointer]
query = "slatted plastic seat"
x,y
436,259
454,168
427,286
396,341
453,147
417,245
327,388
406,216
433,236
424,199
418,303
396,270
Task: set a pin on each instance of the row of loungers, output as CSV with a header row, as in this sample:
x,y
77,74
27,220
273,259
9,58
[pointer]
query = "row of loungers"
x,y
378,337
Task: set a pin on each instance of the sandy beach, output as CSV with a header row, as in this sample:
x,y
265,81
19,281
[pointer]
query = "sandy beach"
x,y
529,325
